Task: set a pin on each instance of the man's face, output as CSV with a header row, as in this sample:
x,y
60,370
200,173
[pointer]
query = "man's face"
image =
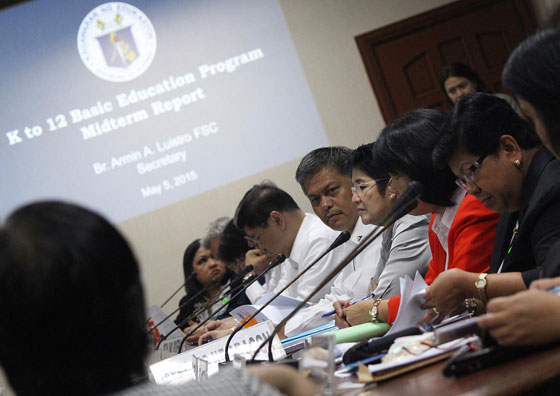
x,y
267,238
330,194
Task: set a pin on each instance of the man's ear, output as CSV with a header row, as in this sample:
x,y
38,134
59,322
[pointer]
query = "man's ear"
x,y
277,219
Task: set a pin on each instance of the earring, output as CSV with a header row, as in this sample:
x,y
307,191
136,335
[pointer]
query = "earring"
x,y
392,196
517,163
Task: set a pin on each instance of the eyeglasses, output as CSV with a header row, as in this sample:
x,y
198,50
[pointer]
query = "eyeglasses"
x,y
360,188
255,239
469,174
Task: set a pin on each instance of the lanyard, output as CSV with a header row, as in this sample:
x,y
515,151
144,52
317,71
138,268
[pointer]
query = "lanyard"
x,y
513,236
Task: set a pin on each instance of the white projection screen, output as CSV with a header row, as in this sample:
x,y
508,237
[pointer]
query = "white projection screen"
x,y
127,107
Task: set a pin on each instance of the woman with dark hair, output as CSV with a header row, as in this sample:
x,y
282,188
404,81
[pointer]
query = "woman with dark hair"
x,y
458,80
67,268
532,74
404,245
461,232
498,158
202,271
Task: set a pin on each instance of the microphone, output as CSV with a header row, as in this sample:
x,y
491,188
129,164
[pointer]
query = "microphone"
x,y
239,276
212,282
192,275
280,258
170,297
406,202
340,239
245,271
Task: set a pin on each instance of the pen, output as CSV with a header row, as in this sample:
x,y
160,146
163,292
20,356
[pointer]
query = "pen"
x,y
330,313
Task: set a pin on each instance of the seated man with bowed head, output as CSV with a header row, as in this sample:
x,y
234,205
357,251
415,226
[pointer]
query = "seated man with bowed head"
x,y
275,224
68,269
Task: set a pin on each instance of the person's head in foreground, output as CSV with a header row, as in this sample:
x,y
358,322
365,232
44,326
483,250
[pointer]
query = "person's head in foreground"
x,y
532,74
71,303
489,148
72,314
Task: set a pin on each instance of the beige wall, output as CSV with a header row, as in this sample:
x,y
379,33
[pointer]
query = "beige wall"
x,y
323,32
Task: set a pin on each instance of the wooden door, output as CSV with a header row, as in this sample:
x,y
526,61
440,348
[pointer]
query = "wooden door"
x,y
404,60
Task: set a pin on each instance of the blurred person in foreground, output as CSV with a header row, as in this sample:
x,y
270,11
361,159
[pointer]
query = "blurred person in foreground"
x,y
70,270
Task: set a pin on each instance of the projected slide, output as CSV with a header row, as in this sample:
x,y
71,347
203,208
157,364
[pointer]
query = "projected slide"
x,y
130,106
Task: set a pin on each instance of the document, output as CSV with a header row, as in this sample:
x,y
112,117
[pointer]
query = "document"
x,y
412,297
281,307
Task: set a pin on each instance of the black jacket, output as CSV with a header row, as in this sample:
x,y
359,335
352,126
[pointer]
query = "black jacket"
x,y
539,221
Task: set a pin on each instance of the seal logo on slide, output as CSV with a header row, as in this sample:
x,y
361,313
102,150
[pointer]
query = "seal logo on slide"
x,y
117,42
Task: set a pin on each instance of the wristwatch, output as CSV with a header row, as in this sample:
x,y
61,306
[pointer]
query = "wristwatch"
x,y
373,310
481,284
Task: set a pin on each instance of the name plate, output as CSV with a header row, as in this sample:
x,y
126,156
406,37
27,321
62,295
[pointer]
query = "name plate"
x,y
178,369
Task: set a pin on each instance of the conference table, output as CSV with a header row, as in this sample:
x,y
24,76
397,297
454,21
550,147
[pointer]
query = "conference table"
x,y
510,378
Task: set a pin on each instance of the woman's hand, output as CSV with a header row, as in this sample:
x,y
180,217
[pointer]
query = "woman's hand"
x,y
545,284
213,335
340,317
449,291
358,313
530,317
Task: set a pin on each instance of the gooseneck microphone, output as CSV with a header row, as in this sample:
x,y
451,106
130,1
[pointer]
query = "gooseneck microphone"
x,y
170,297
239,276
212,283
192,275
211,302
406,202
280,258
340,239
198,294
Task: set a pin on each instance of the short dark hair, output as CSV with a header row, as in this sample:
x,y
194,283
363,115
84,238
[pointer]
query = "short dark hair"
x,y
257,204
476,124
337,157
461,70
66,270
532,72
362,159
233,244
406,146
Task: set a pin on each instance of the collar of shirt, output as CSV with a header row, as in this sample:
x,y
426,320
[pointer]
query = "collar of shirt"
x,y
442,221
297,253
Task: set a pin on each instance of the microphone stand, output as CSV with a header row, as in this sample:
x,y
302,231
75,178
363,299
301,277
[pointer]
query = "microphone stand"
x,y
277,261
177,291
169,299
245,271
407,202
198,294
342,238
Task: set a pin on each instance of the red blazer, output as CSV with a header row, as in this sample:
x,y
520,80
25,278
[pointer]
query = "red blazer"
x,y
470,244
